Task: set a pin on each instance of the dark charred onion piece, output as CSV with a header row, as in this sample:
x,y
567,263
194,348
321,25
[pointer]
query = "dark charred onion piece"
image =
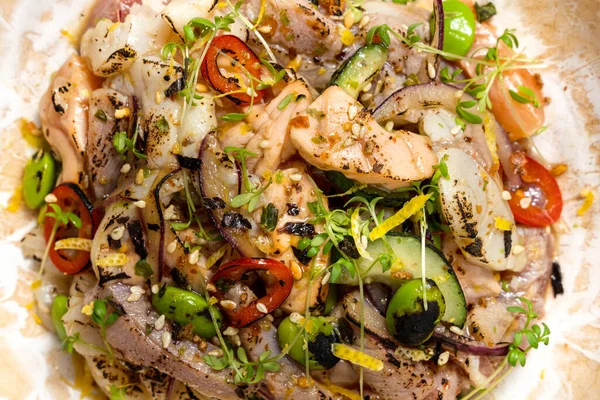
x,y
136,234
556,279
467,345
219,183
379,295
437,33
374,322
405,105
189,162
303,229
234,271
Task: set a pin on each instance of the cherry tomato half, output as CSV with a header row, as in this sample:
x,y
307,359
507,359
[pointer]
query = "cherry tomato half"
x,y
70,198
546,199
234,271
236,49
459,27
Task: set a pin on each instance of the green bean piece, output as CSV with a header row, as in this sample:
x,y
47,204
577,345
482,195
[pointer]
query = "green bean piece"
x,y
39,178
185,307
60,306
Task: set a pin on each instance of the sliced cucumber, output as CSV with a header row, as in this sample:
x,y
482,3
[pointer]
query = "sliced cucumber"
x,y
390,199
407,250
360,68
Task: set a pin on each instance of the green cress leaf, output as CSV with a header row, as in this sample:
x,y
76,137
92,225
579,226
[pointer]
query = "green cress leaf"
x,y
143,268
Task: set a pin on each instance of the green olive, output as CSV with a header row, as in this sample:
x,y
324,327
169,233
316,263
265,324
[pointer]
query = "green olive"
x,y
406,317
38,179
321,335
185,307
459,27
60,306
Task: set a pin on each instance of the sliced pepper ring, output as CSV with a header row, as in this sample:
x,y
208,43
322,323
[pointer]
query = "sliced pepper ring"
x,y
234,271
70,198
239,51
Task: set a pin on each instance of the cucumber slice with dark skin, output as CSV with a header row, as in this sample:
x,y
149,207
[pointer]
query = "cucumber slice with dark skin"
x,y
407,250
390,199
360,68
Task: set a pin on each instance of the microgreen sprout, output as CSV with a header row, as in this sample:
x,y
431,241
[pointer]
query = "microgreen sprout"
x,y
61,218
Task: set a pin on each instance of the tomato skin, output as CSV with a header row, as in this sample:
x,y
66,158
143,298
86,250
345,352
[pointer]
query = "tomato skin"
x,y
70,197
239,51
536,177
459,27
234,271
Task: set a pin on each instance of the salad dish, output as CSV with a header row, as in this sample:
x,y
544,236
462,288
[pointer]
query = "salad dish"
x,y
294,199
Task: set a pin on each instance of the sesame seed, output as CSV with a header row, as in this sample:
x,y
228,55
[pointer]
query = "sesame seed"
x,y
349,141
154,289
352,112
264,144
296,177
117,233
363,130
140,204
458,94
389,126
457,330
125,168
249,91
264,29
50,198
368,280
159,323
355,129
518,249
367,87
158,98
230,331
166,339
506,195
262,308
133,297
366,97
137,289
170,213
270,317
364,241
172,247
296,270
228,304
194,257
211,288
296,318
431,70
378,87
326,278
525,202
443,358
364,21
139,177
235,339
216,353
455,130
213,300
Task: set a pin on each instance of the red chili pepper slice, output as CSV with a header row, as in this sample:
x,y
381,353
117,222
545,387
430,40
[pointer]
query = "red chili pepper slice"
x,y
70,198
233,271
235,48
546,199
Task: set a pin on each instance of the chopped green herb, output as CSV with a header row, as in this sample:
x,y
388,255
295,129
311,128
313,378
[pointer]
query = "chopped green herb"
x,y
269,217
162,124
485,11
101,115
143,268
